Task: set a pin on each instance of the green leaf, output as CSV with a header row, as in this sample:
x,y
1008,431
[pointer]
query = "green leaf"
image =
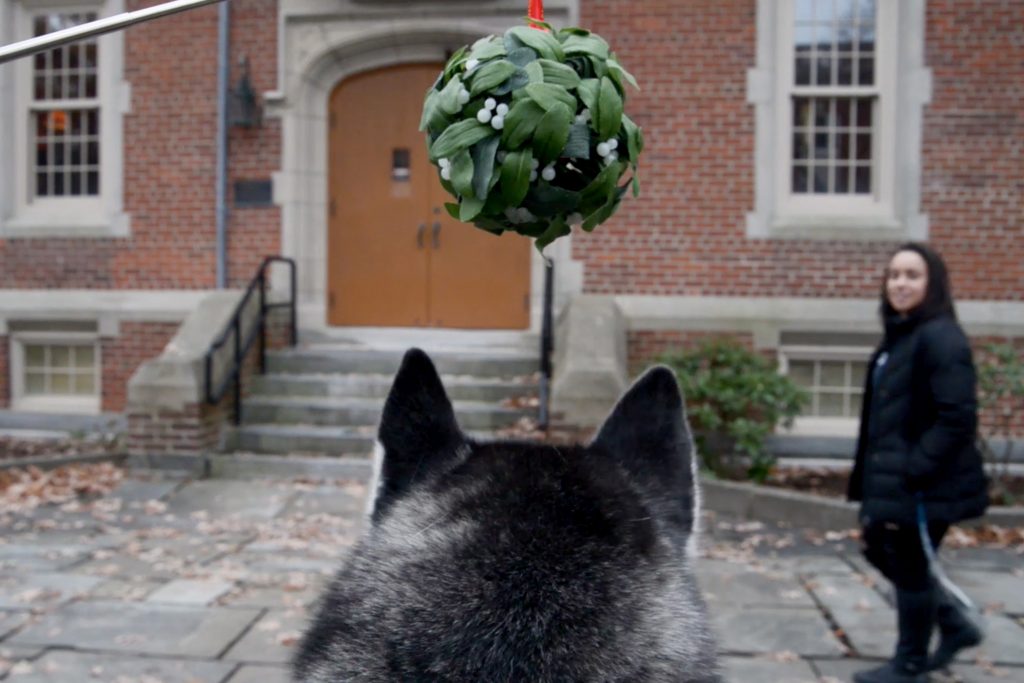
x,y
459,136
457,59
634,138
483,166
462,173
597,192
490,75
571,31
636,184
515,176
605,211
616,71
489,225
557,228
551,134
608,117
453,209
547,96
544,43
518,80
448,98
587,91
578,144
431,110
591,45
534,72
521,56
545,199
470,208
486,48
559,74
520,122
598,66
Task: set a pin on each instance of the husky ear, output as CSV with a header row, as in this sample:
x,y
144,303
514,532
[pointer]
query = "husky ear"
x,y
648,436
418,431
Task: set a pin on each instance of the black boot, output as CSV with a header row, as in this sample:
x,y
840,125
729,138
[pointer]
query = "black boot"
x,y
958,632
916,618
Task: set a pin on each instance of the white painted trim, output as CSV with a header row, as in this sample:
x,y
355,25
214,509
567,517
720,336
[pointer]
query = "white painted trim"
x,y
56,403
101,216
108,307
321,44
767,317
905,86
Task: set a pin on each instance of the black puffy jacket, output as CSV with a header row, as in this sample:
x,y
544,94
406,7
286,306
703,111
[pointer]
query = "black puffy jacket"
x,y
918,426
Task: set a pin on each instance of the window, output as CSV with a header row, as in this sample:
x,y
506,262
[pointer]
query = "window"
x,y
58,372
68,105
839,89
833,377
65,112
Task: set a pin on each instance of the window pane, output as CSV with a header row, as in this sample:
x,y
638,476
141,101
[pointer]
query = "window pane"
x,y
804,10
35,382
799,179
821,179
823,10
60,383
802,372
85,383
842,112
821,107
830,405
833,374
842,146
803,71
801,112
60,356
844,75
858,373
35,356
842,179
866,71
92,184
864,147
824,71
863,180
855,404
799,146
821,150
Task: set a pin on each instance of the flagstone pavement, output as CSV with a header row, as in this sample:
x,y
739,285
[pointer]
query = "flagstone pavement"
x,y
173,580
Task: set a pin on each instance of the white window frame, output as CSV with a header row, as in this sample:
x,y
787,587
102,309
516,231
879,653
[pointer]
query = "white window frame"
x,y
903,87
90,405
807,425
21,214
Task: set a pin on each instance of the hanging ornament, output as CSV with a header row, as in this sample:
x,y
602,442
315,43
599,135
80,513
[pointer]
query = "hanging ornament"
x,y
528,131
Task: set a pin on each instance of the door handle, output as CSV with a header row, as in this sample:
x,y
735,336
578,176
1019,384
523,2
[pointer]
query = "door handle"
x,y
436,235
419,235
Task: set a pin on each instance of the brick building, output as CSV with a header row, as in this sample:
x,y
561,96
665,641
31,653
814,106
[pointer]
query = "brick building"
x,y
790,145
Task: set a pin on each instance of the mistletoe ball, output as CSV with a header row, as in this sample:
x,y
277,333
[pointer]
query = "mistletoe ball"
x,y
528,132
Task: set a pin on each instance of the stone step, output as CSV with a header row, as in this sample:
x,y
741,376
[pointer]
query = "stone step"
x,y
459,387
296,439
332,358
366,412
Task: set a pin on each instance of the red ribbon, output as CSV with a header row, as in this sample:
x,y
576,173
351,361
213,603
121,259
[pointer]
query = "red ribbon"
x,y
537,12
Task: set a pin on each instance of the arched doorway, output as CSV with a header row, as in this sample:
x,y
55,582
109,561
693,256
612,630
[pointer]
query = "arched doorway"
x,y
395,257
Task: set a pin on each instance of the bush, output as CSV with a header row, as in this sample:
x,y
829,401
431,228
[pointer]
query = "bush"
x,y
734,400
1001,394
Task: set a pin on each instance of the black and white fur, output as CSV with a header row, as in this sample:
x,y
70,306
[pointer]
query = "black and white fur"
x,y
509,561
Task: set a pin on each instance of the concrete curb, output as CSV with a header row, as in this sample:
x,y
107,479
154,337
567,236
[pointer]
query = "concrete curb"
x,y
768,504
52,462
252,466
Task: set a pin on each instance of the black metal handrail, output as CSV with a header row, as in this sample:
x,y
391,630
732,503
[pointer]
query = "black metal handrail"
x,y
547,344
233,330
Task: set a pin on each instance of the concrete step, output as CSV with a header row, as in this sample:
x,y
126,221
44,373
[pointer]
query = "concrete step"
x,y
365,412
459,387
333,358
297,439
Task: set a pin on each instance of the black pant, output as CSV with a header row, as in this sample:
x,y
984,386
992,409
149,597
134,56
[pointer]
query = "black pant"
x,y
895,550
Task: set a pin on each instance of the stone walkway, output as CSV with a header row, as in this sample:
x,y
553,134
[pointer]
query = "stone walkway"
x,y
168,580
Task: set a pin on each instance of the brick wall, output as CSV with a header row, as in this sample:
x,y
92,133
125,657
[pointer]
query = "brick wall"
x,y
122,355
686,233
170,139
5,373
646,345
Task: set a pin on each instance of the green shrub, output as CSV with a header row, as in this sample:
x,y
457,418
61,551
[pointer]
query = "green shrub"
x,y
1001,395
734,399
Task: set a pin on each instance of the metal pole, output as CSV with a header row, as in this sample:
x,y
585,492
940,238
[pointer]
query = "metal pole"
x,y
223,72
95,28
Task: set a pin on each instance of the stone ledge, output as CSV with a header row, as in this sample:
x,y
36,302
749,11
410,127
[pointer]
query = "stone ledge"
x,y
768,504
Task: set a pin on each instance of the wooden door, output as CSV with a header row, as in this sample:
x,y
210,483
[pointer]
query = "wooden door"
x,y
395,256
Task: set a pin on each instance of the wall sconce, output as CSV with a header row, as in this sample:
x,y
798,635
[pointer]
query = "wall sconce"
x,y
243,107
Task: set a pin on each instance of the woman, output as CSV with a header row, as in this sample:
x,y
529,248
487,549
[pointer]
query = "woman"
x,y
916,443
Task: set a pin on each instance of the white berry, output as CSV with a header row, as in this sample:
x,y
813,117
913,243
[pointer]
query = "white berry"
x,y
463,96
548,173
446,173
483,116
585,114
502,109
613,156
498,122
534,164
574,219
533,176
444,163
602,149
491,103
613,144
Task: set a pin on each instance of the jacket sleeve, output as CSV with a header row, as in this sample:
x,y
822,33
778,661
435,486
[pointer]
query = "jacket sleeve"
x,y
946,356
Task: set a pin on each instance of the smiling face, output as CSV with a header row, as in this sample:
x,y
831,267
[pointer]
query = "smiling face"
x,y
906,281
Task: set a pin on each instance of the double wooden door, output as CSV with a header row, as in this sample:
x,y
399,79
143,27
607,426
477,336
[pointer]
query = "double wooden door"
x,y
395,257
